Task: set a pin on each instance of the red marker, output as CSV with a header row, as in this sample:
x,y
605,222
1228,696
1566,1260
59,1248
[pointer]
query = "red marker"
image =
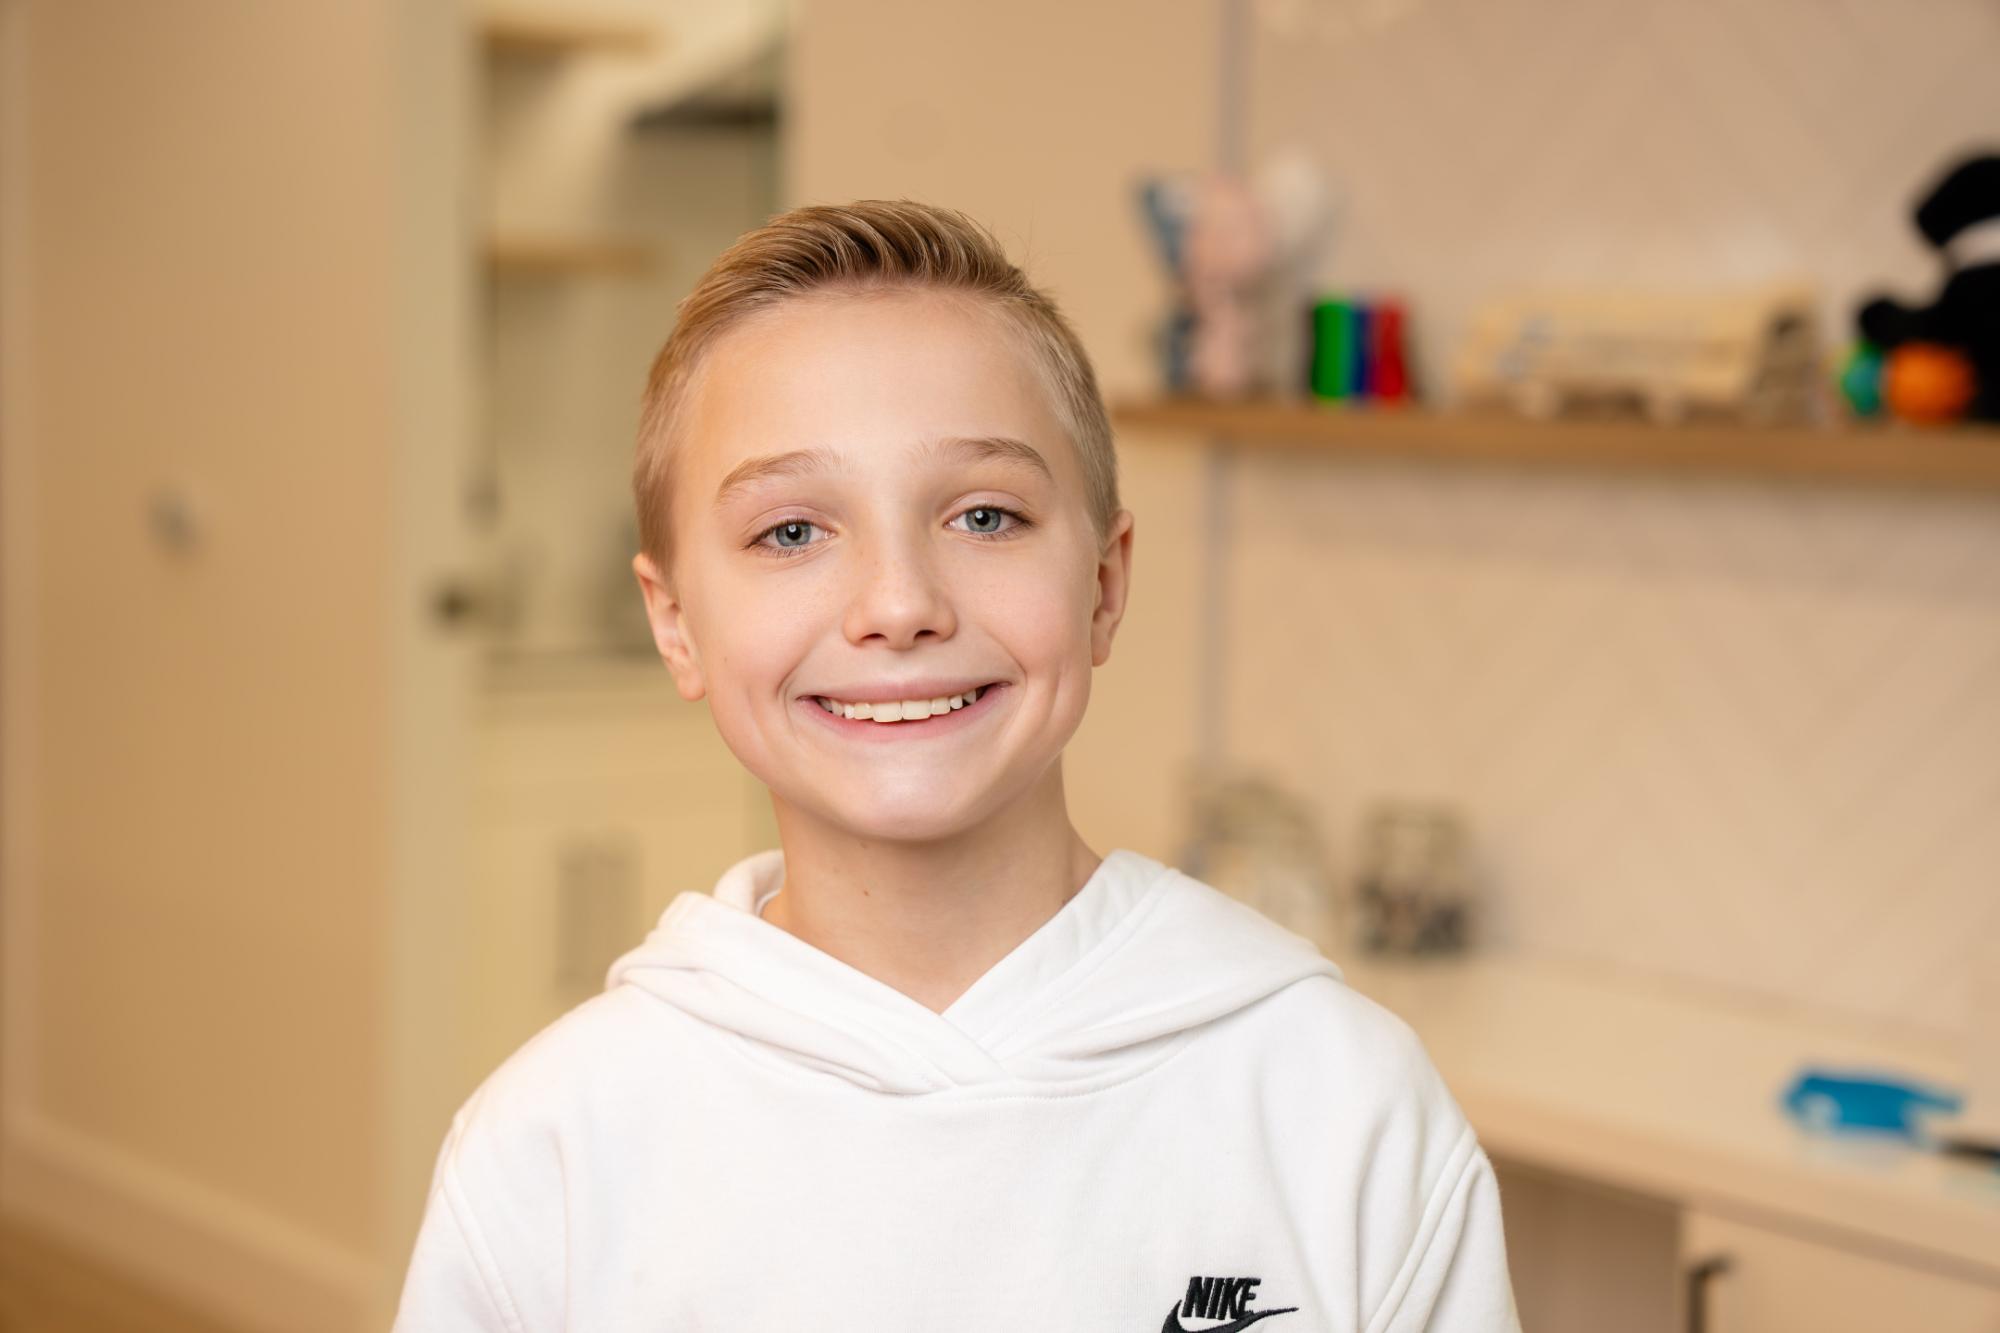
x,y
1391,380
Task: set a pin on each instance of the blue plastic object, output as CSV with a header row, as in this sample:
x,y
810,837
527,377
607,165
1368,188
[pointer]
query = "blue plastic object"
x,y
1165,211
1836,1102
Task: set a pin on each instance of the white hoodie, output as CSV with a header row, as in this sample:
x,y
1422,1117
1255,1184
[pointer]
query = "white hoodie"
x,y
1161,1110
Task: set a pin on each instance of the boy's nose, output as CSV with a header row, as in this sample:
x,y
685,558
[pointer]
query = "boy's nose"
x,y
899,596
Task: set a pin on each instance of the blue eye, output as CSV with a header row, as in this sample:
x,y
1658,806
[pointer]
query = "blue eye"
x,y
985,520
796,534
792,535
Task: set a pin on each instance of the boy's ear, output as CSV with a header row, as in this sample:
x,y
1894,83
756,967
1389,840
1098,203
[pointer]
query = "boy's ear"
x,y
669,622
1114,581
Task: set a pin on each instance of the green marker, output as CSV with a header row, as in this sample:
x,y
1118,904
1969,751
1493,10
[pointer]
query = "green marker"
x,y
1333,350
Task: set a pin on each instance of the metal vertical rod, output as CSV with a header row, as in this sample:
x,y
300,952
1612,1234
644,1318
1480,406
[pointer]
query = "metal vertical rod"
x,y
1233,87
1212,677
1212,673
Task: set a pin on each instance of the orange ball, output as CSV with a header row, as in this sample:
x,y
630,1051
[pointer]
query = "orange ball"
x,y
1928,383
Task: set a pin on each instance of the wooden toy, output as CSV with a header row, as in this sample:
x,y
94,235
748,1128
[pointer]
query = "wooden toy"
x,y
1747,354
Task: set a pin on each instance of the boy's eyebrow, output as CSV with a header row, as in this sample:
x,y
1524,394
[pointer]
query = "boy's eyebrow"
x,y
796,463
800,462
991,448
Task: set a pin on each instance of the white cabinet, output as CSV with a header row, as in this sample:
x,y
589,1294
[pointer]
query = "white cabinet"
x,y
1586,1258
600,796
1639,1133
1761,1280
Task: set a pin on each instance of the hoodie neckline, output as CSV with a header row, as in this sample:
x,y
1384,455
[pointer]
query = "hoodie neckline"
x,y
1119,975
1121,879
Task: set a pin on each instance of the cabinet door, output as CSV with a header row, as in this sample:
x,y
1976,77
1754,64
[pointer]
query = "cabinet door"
x,y
1773,1282
1586,1258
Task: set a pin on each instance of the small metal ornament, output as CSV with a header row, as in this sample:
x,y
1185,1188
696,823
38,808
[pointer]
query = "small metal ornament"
x,y
1412,891
1259,845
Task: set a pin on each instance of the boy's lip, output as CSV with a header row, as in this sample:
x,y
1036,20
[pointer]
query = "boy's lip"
x,y
924,687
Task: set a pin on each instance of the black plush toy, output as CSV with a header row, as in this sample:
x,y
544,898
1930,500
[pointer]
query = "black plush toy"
x,y
1961,217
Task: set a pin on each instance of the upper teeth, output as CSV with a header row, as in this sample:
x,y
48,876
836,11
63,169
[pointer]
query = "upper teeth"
x,y
902,710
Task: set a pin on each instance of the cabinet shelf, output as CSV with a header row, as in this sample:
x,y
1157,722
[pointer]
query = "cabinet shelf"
x,y
1957,457
548,36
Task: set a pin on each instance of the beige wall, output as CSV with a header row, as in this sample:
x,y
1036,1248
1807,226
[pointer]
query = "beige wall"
x,y
183,855
231,276
1743,734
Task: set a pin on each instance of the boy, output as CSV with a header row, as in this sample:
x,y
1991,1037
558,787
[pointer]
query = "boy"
x,y
933,1063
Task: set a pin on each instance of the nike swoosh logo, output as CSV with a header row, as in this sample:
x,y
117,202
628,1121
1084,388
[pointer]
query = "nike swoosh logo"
x,y
1174,1325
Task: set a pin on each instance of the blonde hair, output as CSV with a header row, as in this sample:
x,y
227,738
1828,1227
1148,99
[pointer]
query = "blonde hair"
x,y
865,246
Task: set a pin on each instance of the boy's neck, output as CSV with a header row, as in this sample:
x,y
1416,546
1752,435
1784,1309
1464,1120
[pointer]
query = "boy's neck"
x,y
930,918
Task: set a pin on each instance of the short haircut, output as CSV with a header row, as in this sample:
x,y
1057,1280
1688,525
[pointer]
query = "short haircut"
x,y
869,245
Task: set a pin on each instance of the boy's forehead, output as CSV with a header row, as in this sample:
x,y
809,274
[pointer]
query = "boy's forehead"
x,y
866,375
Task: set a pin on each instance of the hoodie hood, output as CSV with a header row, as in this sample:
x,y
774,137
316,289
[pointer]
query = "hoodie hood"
x,y
1141,953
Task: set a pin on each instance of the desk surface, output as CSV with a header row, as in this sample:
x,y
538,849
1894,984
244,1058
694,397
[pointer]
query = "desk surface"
x,y
1672,1092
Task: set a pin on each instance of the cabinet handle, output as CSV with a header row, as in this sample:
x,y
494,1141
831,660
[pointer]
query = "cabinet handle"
x,y
176,519
1698,1279
464,601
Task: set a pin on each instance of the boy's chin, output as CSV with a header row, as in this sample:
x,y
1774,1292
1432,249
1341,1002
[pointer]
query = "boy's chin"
x,y
926,816
925,823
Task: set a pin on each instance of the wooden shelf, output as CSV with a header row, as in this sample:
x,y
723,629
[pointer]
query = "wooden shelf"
x,y
1957,457
548,36
529,256
711,113
744,96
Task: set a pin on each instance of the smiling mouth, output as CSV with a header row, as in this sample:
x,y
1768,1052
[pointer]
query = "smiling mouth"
x,y
903,712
